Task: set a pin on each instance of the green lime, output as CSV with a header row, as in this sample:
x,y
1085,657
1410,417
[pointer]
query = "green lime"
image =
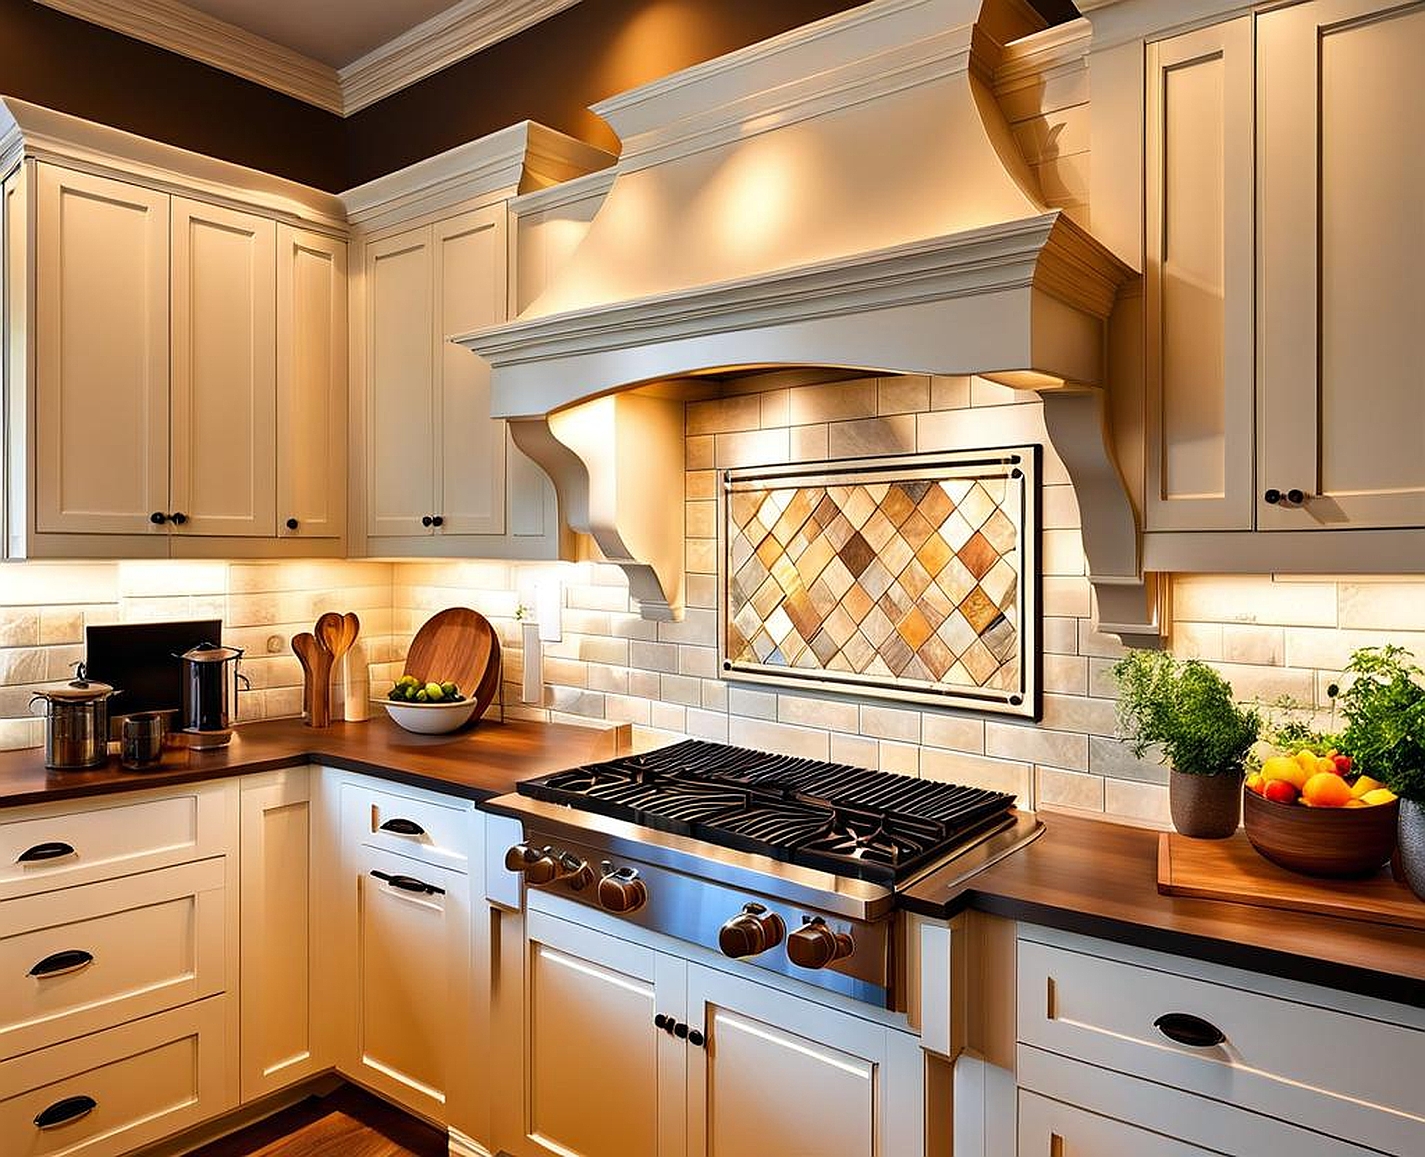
x,y
450,688
434,693
421,696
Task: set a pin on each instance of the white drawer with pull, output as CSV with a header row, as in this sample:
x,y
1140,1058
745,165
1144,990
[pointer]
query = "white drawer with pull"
x,y
88,958
1297,1057
116,1091
60,845
408,822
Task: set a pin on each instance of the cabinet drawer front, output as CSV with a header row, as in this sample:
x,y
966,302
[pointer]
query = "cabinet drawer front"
x,y
1279,1056
63,845
1052,1129
138,1083
89,958
408,824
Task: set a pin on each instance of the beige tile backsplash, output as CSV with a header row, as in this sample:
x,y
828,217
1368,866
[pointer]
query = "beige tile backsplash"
x,y
1268,634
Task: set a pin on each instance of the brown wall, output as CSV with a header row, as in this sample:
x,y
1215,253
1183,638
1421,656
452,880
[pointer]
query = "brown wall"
x,y
76,67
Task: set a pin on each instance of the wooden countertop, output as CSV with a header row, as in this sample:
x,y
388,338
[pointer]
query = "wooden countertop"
x,y
1100,879
476,764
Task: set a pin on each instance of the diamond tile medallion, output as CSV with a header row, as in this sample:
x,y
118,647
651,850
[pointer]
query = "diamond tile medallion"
x,y
911,578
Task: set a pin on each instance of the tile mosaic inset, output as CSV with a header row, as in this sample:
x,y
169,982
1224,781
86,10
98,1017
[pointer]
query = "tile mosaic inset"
x,y
910,577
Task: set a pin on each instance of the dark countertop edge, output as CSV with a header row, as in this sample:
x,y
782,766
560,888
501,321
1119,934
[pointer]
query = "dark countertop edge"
x,y
1313,970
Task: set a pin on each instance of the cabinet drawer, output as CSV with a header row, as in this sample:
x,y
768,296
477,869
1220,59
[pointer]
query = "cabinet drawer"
x,y
1052,1129
1344,1074
139,1083
409,823
60,845
92,957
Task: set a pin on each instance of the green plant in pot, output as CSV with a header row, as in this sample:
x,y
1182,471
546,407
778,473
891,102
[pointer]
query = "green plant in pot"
x,y
1186,710
1384,708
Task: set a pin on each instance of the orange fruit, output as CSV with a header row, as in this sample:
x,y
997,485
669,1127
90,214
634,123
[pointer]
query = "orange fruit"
x,y
1326,789
1255,783
1287,769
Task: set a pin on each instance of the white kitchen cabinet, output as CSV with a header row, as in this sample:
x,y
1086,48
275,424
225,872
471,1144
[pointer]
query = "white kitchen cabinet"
x,y
1052,1129
1342,391
279,1034
224,380
748,1069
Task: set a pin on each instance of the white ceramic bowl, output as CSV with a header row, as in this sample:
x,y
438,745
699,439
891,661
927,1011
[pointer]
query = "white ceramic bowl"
x,y
430,718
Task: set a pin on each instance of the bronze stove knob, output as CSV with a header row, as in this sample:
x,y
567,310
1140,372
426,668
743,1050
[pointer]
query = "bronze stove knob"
x,y
751,932
571,870
621,890
815,944
536,865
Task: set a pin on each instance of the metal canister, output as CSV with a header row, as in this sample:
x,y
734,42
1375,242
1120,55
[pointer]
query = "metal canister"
x,y
210,687
76,723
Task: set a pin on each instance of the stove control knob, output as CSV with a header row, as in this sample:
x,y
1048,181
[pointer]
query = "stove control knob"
x,y
570,869
751,932
535,864
815,944
621,889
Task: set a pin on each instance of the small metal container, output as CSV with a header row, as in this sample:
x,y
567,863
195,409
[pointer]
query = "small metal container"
x,y
76,723
210,689
142,740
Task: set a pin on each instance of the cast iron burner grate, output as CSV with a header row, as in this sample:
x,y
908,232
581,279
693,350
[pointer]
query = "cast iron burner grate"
x,y
873,825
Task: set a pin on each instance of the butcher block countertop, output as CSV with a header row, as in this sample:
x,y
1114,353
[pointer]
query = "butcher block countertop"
x,y
476,764
1100,879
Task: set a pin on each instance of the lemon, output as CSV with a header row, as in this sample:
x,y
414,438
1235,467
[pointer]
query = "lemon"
x,y
1365,784
1378,796
1286,768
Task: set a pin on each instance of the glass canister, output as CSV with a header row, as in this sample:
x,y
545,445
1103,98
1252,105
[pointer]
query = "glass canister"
x,y
76,723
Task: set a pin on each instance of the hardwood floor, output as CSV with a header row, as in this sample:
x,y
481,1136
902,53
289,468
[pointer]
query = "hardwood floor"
x,y
347,1123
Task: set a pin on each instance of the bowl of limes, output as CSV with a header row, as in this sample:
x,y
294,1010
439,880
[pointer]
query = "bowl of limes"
x,y
429,707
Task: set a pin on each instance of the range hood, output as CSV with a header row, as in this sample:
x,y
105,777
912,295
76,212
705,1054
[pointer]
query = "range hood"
x,y
846,195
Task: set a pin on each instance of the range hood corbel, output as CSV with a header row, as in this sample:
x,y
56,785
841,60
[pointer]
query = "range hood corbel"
x,y
849,196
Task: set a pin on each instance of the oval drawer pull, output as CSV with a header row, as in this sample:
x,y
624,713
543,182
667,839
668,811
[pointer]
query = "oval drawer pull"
x,y
65,1111
54,850
403,827
1185,1029
59,963
409,884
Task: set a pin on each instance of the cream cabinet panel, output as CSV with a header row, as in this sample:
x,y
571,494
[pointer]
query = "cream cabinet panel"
x,y
471,262
1052,1129
400,401
14,354
224,403
278,1030
1199,279
1342,241
311,384
101,370
409,822
413,989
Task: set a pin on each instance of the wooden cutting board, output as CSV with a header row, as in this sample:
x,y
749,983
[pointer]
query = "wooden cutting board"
x,y
1232,870
458,646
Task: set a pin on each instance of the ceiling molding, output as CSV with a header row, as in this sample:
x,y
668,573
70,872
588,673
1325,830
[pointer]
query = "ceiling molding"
x,y
179,28
445,39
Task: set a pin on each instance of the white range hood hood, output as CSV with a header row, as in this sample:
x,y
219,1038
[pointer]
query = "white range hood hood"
x,y
845,195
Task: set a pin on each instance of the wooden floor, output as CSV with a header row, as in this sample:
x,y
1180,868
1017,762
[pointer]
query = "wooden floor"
x,y
348,1123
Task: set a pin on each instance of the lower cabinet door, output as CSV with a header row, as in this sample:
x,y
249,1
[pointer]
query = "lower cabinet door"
x,y
1051,1129
116,1091
602,1080
778,1074
413,986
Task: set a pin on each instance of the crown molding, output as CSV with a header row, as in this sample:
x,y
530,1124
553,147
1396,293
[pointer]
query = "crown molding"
x,y
445,39
1027,61
175,26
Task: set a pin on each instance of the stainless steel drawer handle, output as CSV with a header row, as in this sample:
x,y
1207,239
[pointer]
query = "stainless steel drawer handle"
x,y
409,884
54,850
61,963
403,827
1185,1029
65,1111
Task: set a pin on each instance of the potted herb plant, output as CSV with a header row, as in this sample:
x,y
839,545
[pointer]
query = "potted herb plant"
x,y
1384,708
1186,710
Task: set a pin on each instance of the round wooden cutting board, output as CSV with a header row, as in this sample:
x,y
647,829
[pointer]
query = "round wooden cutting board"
x,y
459,646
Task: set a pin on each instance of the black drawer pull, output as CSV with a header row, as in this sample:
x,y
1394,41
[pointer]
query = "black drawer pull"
x,y
55,850
403,827
409,884
1185,1029
65,1111
57,964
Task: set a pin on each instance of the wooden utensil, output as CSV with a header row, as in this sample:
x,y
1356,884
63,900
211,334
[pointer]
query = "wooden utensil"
x,y
316,663
459,646
337,633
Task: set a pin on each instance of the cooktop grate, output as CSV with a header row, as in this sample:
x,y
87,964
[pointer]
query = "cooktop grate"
x,y
873,825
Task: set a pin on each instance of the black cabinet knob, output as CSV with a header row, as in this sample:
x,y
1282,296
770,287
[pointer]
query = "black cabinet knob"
x,y
1185,1029
158,518
291,524
1272,496
680,1030
438,520
696,1039
1296,497
427,520
663,1022
178,518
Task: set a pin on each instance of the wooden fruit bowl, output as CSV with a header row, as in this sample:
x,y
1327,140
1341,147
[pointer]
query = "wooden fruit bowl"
x,y
1337,842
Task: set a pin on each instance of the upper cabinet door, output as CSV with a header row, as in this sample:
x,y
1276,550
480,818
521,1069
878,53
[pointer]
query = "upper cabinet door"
x,y
471,282
101,358
224,371
311,384
400,405
1341,243
1199,280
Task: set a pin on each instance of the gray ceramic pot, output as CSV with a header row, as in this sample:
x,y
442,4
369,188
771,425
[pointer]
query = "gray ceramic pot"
x,y
1412,844
1205,807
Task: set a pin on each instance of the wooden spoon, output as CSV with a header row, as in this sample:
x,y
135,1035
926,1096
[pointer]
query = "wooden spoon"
x,y
337,633
316,663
